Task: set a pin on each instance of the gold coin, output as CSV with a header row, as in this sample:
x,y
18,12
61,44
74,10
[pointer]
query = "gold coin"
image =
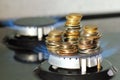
x,y
73,43
69,23
56,42
56,45
76,16
85,41
92,37
65,45
73,32
73,19
91,29
53,43
72,37
53,39
90,51
73,27
53,46
67,52
89,34
55,33
83,47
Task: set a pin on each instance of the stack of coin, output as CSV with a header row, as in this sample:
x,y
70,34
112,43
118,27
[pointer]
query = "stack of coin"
x,y
89,41
72,25
90,32
67,49
53,40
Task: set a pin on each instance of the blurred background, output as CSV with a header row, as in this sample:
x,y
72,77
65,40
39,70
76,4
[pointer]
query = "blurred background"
x,y
26,8
14,9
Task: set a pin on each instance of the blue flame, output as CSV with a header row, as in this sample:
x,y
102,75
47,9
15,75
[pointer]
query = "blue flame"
x,y
41,48
10,23
108,51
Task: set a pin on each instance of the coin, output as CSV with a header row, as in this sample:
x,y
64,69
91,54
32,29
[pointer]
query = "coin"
x,y
75,16
73,19
53,39
55,33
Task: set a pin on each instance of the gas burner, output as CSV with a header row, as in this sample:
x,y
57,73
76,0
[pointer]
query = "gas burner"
x,y
45,72
75,54
34,26
31,32
21,43
74,62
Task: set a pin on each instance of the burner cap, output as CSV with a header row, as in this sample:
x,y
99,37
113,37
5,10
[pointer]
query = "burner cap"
x,y
35,21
